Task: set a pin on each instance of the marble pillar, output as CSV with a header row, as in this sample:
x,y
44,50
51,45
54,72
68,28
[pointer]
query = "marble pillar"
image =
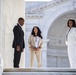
x,y
2,32
11,10
44,53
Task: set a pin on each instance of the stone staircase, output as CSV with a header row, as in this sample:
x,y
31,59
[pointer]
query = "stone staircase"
x,y
39,71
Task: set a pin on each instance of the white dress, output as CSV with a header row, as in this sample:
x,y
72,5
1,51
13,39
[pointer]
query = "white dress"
x,y
71,46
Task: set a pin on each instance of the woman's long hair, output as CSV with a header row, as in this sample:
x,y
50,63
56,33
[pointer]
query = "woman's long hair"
x,y
39,32
73,21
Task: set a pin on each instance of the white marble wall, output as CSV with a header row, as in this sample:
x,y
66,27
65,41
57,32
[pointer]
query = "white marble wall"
x,y
11,11
2,32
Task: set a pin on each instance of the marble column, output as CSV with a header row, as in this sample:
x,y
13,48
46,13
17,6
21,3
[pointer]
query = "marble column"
x,y
44,53
2,32
11,11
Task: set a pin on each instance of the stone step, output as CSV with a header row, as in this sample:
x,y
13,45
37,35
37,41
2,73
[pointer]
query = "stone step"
x,y
39,71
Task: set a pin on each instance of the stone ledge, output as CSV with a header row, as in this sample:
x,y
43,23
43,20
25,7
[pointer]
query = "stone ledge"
x,y
39,70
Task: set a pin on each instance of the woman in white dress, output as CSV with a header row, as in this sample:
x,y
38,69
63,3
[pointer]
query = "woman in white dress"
x,y
35,46
71,43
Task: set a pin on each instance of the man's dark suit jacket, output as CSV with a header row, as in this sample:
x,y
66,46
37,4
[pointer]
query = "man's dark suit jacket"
x,y
18,37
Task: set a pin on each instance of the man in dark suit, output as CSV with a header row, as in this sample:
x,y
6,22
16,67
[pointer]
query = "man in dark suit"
x,y
18,42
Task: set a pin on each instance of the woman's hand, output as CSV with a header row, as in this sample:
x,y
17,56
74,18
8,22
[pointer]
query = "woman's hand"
x,y
38,49
66,42
35,49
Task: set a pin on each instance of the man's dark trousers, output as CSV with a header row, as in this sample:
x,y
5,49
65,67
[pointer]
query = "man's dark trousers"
x,y
17,56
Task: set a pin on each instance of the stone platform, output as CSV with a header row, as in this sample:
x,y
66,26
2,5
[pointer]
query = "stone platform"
x,y
39,71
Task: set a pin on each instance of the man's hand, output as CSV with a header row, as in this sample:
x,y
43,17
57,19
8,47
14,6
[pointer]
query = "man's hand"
x,y
18,48
22,50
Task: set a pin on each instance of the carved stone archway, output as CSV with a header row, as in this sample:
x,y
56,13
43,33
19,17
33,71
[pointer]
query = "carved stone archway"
x,y
57,50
